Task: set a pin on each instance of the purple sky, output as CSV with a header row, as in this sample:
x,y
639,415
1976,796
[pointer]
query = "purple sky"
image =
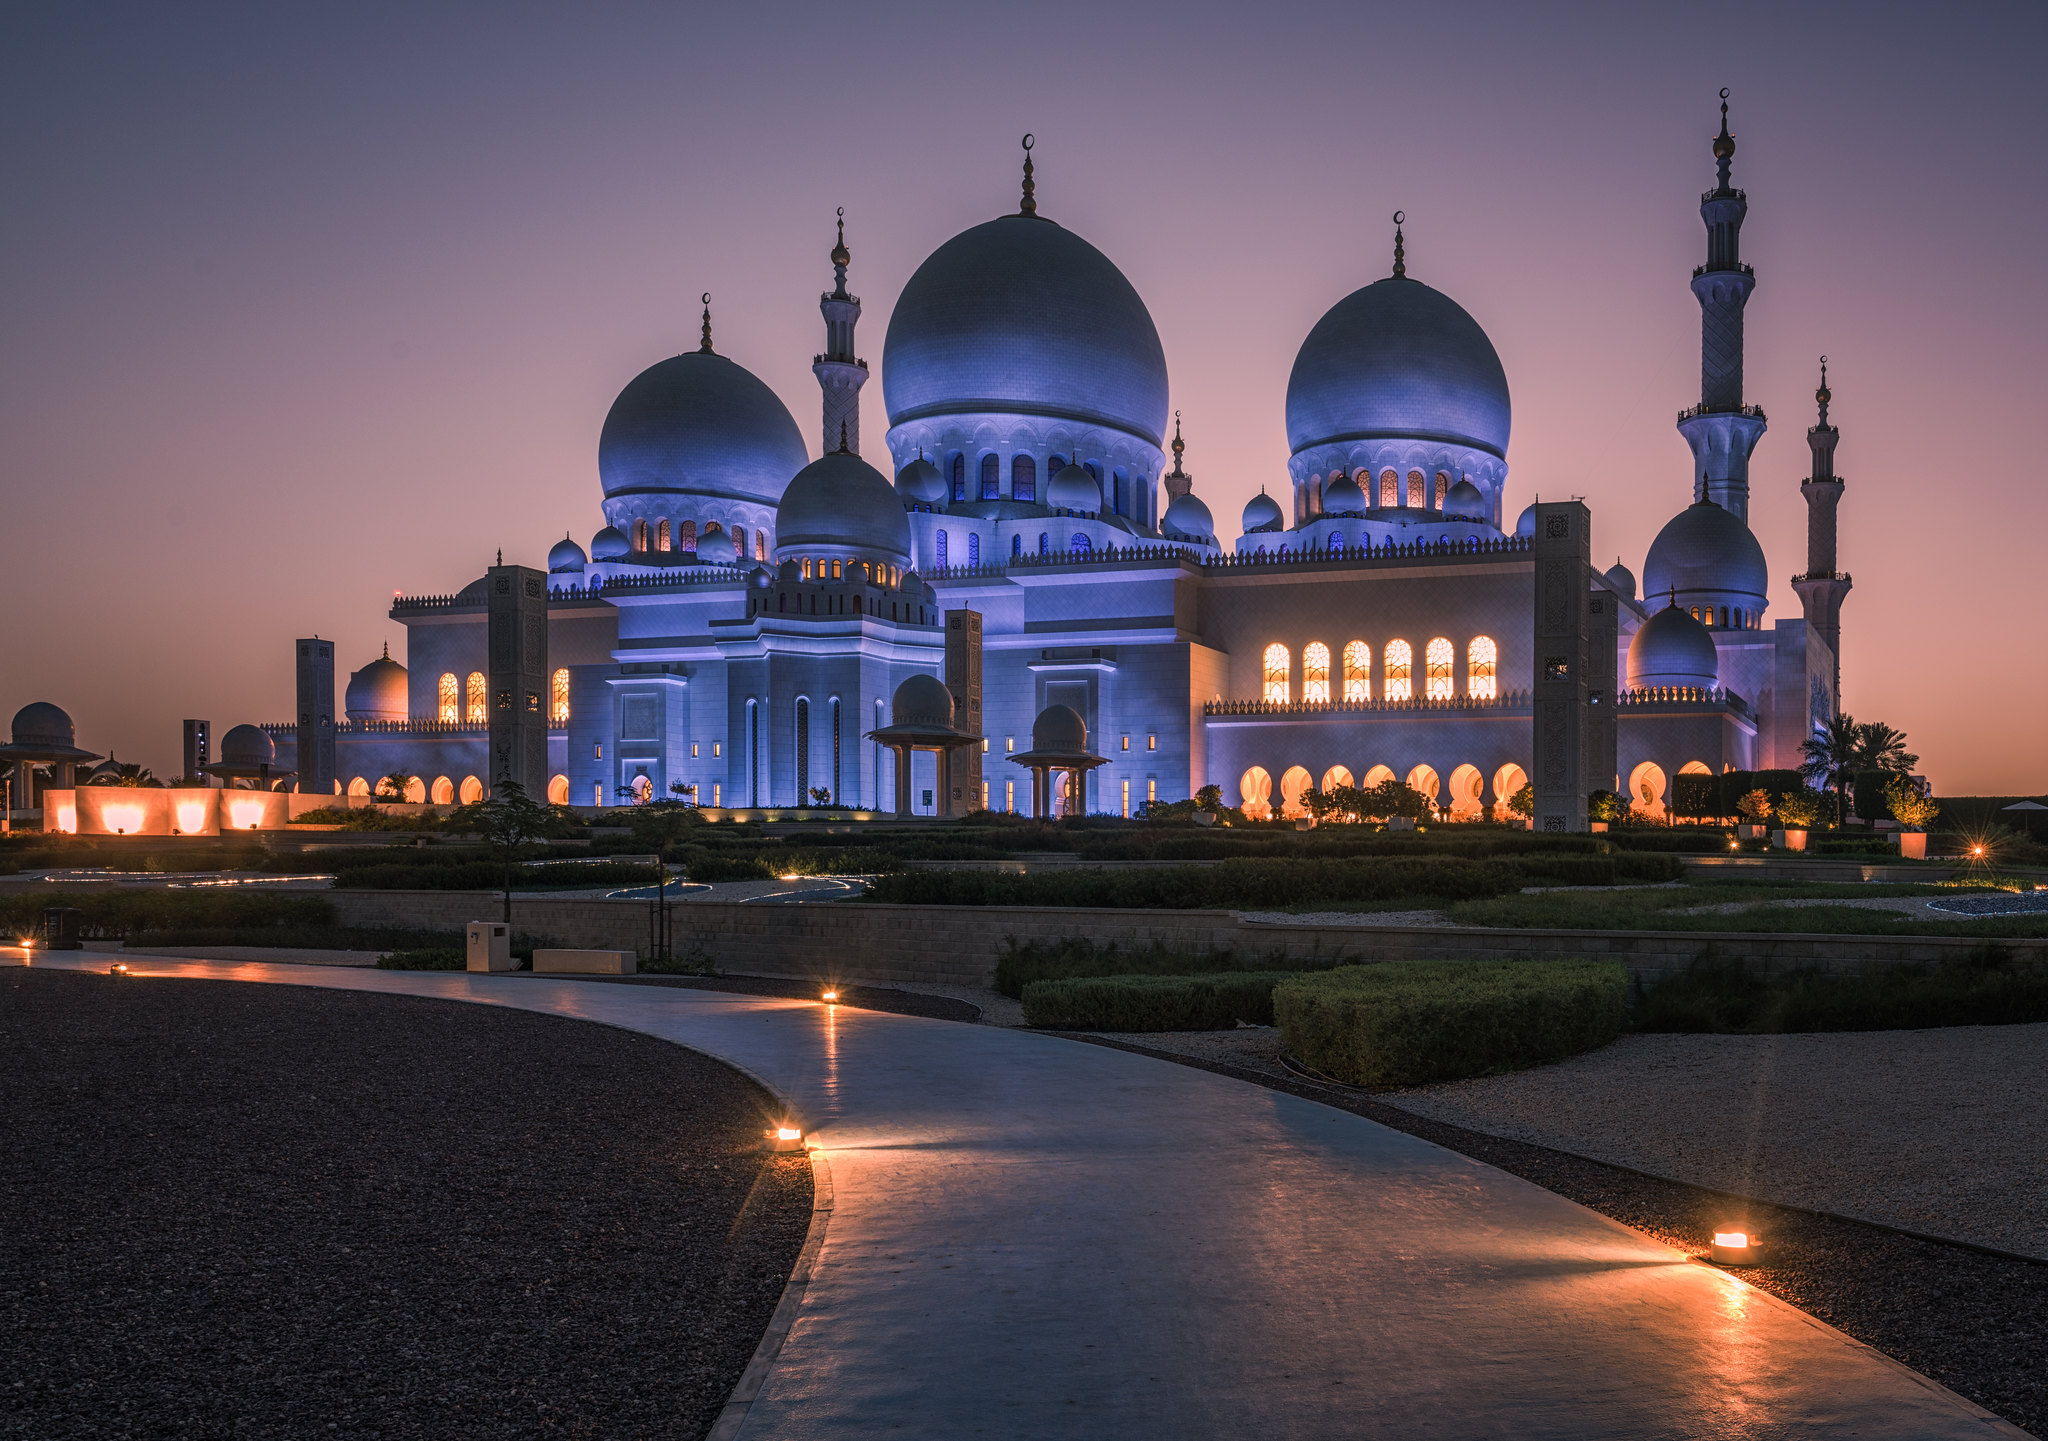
x,y
304,308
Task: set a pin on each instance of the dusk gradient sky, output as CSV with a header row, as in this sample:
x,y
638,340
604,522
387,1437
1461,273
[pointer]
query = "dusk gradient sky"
x,y
304,306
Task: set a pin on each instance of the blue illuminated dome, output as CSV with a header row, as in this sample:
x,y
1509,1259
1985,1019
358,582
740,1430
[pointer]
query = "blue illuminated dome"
x,y
1705,554
1397,360
921,483
1262,512
1343,497
609,544
840,503
1021,316
1188,516
1076,490
1673,649
700,424
566,555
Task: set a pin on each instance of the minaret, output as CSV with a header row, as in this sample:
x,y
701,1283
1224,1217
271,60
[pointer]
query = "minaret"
x,y
1177,482
840,374
1721,430
1822,588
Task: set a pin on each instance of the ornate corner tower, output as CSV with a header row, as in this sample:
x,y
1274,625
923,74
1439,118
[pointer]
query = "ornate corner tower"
x,y
1721,430
1822,588
840,373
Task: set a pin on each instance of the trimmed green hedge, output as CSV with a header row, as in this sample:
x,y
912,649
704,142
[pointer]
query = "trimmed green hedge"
x,y
1408,1023
1714,995
1153,1003
115,914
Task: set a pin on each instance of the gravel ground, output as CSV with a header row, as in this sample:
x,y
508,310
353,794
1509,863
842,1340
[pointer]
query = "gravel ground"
x,y
273,1211
1944,1131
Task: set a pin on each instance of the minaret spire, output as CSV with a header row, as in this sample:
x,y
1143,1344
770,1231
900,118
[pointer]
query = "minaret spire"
x,y
1177,481
1030,205
704,347
1822,588
1400,254
840,372
1721,429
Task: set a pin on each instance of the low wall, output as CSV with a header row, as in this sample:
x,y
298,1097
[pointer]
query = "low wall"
x,y
958,945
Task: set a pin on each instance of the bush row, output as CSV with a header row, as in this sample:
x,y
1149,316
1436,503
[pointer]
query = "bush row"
x,y
114,915
1983,988
1211,1002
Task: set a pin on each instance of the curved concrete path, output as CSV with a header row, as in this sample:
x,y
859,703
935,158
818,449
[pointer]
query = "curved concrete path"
x,y
1041,1238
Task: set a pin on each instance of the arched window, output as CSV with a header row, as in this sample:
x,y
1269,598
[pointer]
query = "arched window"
x,y
359,787
1315,673
760,545
1054,464
1120,488
991,477
1357,670
1390,489
974,549
1400,684
1044,543
558,698
1279,685
1023,478
639,535
1079,544
1481,659
942,550
474,712
558,790
472,791
450,699
443,793
958,477
1443,488
1255,793
835,750
1336,545
1436,661
739,543
1016,545
1295,785
688,536
661,534
1415,484
1094,468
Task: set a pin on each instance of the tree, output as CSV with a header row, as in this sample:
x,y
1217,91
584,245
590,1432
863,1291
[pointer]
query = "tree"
x,y
1392,798
686,789
820,796
1755,807
1880,747
1600,806
1523,801
124,773
1801,809
396,786
508,818
1831,756
1908,805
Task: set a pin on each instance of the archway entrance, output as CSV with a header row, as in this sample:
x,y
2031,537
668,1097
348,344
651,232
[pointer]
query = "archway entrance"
x,y
1425,780
1335,778
1646,786
1255,793
1468,788
1294,785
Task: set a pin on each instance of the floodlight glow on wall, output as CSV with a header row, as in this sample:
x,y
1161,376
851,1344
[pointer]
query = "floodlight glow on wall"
x,y
192,816
122,819
245,815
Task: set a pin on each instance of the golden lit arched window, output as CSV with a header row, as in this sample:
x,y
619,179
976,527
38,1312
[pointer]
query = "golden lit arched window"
x,y
1278,687
639,535
1415,489
1390,493
1357,670
1315,673
1482,658
661,534
450,699
1400,667
1443,488
1436,660
476,713
558,698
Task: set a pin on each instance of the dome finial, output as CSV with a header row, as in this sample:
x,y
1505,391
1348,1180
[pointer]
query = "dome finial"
x,y
1823,395
1030,205
387,650
1724,143
843,448
704,348
841,257
1179,445
1400,253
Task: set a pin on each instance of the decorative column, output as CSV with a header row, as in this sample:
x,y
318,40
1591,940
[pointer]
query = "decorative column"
x,y
840,373
1823,587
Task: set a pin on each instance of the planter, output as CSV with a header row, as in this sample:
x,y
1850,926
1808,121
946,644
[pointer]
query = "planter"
x,y
1205,818
1913,845
1793,840
1750,833
1401,823
1599,825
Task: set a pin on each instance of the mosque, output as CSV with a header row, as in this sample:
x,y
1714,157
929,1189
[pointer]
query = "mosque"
x,y
739,627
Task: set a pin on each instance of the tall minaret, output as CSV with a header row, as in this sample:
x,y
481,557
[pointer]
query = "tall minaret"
x,y
840,374
1822,588
1721,430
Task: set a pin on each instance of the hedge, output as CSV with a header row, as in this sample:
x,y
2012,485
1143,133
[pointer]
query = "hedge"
x,y
113,915
1153,1003
1408,1023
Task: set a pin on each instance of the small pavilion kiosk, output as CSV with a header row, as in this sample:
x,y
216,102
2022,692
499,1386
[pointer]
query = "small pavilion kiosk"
x,y
921,719
43,736
247,754
1059,742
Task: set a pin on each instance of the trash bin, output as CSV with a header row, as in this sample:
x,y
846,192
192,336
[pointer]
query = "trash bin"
x,y
490,946
62,928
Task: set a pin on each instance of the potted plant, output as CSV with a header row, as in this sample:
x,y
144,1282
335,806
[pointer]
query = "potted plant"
x,y
1755,808
1913,810
1603,809
1799,811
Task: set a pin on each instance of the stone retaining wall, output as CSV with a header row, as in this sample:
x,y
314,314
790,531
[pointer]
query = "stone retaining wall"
x,y
958,945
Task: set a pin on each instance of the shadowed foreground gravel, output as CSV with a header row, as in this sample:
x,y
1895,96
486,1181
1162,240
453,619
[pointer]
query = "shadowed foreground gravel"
x,y
266,1211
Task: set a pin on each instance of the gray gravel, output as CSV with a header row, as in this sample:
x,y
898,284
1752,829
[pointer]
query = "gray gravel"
x,y
274,1211
1943,1132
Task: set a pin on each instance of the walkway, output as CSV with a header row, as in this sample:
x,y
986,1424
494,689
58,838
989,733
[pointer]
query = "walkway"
x,y
1038,1238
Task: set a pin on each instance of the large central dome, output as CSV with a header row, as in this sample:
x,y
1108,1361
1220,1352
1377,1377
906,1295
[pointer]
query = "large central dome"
x,y
700,424
1021,316
1398,361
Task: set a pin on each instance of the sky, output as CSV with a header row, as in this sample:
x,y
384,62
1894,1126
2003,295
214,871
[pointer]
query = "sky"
x,y
304,306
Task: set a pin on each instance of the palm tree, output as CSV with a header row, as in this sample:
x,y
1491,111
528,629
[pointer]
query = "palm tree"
x,y
1880,747
1832,755
124,773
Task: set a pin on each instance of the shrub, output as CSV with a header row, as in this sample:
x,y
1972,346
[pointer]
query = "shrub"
x,y
1908,806
1696,797
1868,795
1802,809
1076,956
1153,1003
1411,1022
435,958
1981,988
114,915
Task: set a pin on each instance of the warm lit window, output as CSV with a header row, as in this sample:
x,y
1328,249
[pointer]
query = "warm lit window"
x,y
1357,670
1277,680
1400,664
688,533
1436,660
1415,483
1390,491
475,713
558,687
1315,673
639,535
1127,742
1481,659
450,699
1443,487
661,535
1151,743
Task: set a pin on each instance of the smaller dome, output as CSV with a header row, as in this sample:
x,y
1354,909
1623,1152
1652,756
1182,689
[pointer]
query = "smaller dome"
x,y
759,578
1525,523
1075,489
716,548
565,555
378,692
1706,549
246,745
920,482
1262,512
1622,579
1059,728
1343,497
841,502
1188,516
1465,498
922,700
609,544
789,570
41,724
1673,649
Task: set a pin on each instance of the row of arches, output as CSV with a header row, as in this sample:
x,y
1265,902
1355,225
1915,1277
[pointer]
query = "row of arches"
x,y
465,701
1648,786
1727,617
1119,494
1397,674
444,791
1464,791
873,572
660,534
1419,493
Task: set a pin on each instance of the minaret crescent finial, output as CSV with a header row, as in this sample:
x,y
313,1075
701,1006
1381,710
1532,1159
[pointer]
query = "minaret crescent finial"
x,y
1823,395
1724,143
1400,252
1030,205
704,348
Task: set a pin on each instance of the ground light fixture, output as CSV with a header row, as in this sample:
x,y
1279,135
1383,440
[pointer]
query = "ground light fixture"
x,y
786,1139
119,968
829,996
1735,1245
